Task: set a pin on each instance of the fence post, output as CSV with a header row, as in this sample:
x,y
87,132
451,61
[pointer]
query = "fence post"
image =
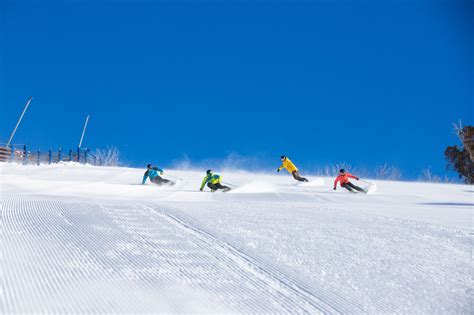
x,y
38,158
60,153
50,156
70,155
78,154
86,155
25,156
95,160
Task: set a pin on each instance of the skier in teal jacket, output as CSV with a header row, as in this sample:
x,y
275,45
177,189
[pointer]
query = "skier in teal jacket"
x,y
152,172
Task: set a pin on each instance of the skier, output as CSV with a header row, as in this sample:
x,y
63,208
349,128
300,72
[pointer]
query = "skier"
x,y
291,168
152,172
213,181
344,179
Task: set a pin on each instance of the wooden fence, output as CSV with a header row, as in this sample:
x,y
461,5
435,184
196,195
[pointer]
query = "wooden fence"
x,y
21,154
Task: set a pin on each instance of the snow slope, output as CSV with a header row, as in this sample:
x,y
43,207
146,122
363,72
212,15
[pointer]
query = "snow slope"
x,y
83,239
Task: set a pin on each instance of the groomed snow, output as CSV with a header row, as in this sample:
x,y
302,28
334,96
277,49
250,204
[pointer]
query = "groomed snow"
x,y
83,239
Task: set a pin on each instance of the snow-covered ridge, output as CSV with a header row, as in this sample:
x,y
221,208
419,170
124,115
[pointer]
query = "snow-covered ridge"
x,y
88,239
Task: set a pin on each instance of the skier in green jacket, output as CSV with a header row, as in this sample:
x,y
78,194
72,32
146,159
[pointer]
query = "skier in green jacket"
x,y
213,181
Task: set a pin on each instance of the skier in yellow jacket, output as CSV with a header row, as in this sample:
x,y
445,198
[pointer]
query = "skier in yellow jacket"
x,y
291,168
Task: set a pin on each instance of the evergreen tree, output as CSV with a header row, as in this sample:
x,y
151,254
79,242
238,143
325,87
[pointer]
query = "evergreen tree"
x,y
459,158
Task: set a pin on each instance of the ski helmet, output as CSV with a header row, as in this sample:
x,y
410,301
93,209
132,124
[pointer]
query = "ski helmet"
x,y
342,170
149,166
209,172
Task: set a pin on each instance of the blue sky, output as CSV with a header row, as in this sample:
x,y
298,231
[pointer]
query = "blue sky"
x,y
363,82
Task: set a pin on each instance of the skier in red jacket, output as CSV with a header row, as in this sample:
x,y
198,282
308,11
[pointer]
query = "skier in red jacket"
x,y
344,179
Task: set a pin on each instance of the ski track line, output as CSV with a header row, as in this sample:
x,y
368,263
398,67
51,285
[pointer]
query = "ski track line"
x,y
319,300
286,304
139,238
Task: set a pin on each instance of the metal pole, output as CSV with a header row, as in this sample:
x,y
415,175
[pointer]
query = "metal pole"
x,y
19,120
84,130
25,156
85,156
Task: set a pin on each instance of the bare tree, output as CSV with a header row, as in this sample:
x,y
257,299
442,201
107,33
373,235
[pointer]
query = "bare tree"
x,y
333,169
459,130
107,157
394,174
447,180
428,176
381,171
385,171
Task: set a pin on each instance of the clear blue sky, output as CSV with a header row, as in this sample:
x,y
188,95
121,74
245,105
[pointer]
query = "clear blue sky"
x,y
363,82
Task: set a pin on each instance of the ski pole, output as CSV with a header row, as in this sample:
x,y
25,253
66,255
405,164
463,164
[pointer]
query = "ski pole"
x,y
174,177
366,182
229,184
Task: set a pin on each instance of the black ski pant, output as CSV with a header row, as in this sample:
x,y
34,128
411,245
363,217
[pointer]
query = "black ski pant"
x,y
159,181
298,177
350,186
216,186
